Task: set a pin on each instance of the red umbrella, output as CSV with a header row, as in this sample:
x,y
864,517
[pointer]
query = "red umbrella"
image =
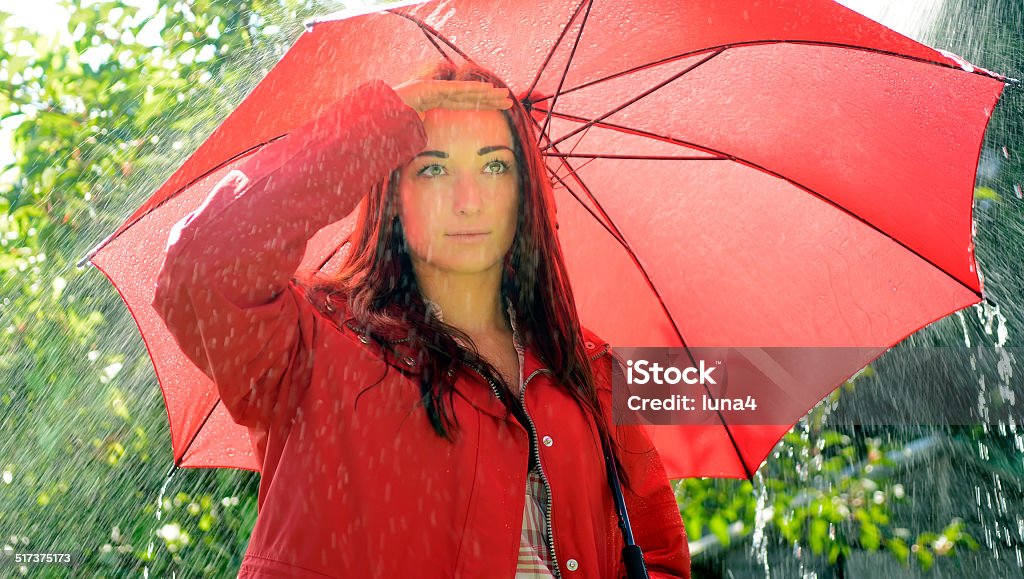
x,y
730,173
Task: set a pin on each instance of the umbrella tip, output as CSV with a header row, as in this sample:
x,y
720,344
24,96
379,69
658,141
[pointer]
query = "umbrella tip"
x,y
311,22
987,299
171,471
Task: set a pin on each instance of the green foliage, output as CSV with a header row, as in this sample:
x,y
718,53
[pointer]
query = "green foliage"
x,y
104,110
823,493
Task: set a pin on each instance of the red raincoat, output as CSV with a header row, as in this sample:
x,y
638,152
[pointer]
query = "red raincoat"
x,y
365,488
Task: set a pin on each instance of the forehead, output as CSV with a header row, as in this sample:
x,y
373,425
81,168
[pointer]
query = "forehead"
x,y
455,130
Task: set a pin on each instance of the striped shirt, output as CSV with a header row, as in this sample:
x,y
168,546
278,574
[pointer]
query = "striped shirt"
x,y
534,558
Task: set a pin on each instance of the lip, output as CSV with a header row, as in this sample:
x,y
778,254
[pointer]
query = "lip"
x,y
468,235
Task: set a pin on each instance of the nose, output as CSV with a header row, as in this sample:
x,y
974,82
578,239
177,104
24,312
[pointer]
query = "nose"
x,y
468,198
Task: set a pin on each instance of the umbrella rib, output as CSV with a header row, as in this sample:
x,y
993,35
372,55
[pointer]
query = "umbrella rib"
x,y
604,220
587,209
573,171
722,155
722,47
428,30
433,41
647,92
568,65
557,43
634,157
198,430
597,218
718,155
573,149
650,284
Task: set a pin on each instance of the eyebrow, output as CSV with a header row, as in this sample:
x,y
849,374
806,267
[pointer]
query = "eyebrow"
x,y
443,155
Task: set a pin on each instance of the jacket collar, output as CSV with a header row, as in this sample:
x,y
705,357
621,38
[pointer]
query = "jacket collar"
x,y
476,390
473,387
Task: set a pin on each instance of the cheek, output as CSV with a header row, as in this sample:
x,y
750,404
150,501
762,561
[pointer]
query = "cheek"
x,y
419,215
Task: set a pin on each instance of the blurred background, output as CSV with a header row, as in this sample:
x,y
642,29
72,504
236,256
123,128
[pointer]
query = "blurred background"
x,y
101,101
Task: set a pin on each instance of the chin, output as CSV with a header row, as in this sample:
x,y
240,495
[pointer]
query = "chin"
x,y
466,266
462,260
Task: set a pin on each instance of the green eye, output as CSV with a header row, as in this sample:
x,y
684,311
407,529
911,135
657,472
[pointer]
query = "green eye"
x,y
502,165
425,171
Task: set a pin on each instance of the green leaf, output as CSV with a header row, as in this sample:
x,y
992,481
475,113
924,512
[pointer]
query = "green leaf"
x,y
720,528
870,537
818,535
986,193
834,551
925,557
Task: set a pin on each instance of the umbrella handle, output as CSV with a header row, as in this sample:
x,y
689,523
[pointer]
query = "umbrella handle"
x,y
632,556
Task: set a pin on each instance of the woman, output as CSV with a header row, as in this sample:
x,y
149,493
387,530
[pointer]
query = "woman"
x,y
435,409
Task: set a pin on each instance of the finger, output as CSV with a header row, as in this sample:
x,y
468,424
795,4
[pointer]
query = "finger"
x,y
490,93
467,83
483,88
477,105
474,96
487,101
493,97
453,86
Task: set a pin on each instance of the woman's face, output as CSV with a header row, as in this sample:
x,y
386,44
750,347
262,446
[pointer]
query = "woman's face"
x,y
458,199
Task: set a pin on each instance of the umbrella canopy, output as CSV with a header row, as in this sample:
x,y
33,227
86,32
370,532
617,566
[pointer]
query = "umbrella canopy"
x,y
732,173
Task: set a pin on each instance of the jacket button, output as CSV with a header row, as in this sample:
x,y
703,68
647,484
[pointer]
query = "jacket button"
x,y
571,565
589,345
548,441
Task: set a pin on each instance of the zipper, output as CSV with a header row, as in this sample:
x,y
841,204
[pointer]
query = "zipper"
x,y
549,530
489,383
603,351
535,445
549,534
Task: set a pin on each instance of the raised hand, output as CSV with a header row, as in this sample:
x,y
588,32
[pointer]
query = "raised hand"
x,y
423,95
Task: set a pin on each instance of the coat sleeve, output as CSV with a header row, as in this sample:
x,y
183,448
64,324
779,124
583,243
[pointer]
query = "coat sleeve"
x,y
650,501
225,287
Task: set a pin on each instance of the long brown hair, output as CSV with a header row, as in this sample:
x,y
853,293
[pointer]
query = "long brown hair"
x,y
378,283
